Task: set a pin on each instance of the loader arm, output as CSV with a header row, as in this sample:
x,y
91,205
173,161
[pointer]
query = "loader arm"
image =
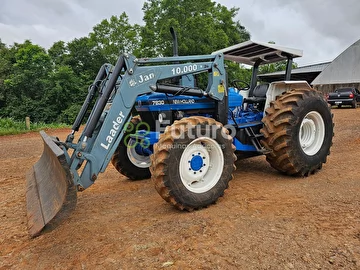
x,y
140,78
118,88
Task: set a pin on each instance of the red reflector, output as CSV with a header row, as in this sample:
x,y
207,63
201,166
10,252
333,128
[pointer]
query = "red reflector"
x,y
351,95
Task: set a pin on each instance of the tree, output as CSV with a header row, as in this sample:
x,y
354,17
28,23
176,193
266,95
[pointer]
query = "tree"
x,y
114,36
6,62
64,90
202,27
36,86
84,58
26,85
238,72
59,53
274,67
50,85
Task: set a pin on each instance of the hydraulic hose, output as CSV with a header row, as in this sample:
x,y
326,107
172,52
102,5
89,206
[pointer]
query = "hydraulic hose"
x,y
103,99
80,117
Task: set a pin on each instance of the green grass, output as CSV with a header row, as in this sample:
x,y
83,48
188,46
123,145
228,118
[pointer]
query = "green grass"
x,y
9,126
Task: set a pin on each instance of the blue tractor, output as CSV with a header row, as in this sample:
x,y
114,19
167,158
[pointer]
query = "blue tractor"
x,y
151,118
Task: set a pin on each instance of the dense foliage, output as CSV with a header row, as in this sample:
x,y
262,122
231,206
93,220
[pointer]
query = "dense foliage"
x,y
50,85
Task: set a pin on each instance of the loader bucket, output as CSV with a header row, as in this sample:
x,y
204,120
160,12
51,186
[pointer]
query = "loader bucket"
x,y
50,192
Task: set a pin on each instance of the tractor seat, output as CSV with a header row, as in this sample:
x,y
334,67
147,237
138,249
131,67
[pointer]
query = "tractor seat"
x,y
258,95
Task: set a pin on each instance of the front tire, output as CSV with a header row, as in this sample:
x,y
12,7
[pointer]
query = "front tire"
x,y
298,131
126,159
193,162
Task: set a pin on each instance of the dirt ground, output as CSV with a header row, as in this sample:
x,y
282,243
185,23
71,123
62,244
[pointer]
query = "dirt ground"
x,y
265,220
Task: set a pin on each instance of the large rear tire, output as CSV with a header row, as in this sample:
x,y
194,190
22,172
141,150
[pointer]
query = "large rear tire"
x,y
126,160
193,162
298,131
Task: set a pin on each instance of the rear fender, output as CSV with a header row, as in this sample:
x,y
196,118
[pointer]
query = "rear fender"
x,y
277,88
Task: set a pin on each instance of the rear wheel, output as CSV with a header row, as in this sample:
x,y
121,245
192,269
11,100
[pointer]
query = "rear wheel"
x,y
193,162
128,159
298,131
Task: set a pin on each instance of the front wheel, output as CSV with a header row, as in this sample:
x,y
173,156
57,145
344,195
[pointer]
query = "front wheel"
x,y
298,131
129,158
193,162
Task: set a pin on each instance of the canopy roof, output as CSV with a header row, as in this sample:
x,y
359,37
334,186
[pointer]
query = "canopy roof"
x,y
250,52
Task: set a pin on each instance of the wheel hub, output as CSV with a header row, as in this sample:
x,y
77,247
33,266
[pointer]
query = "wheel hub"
x,y
308,130
196,167
312,133
196,163
201,165
139,160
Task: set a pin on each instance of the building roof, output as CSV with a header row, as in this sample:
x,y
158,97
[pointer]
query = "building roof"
x,y
344,69
308,73
250,52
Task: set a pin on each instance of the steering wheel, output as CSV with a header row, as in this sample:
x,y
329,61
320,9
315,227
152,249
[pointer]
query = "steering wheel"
x,y
238,83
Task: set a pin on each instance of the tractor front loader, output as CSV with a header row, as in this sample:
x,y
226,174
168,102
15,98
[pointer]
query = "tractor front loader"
x,y
156,118
54,179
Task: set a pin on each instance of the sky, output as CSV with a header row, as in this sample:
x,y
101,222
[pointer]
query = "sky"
x,y
321,28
